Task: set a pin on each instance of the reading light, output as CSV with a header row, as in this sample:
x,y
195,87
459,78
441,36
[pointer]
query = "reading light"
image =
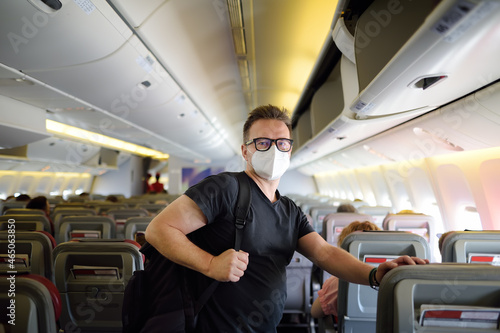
x,y
101,140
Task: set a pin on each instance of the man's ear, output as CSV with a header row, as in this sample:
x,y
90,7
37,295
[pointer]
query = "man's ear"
x,y
244,152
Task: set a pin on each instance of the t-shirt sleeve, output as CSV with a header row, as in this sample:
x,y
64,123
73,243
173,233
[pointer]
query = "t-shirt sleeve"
x,y
214,195
328,296
304,227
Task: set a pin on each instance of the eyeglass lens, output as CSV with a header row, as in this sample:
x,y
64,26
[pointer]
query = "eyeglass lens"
x,y
264,144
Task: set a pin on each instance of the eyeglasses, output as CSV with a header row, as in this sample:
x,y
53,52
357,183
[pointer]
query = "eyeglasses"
x,y
263,144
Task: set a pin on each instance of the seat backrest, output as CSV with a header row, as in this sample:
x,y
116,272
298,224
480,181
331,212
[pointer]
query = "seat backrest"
x,y
121,215
298,283
420,224
318,214
152,209
93,226
103,207
357,304
33,253
378,213
36,307
59,213
11,204
333,224
92,275
29,211
472,246
135,225
38,221
406,291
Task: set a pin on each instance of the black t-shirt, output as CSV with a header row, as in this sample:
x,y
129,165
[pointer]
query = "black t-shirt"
x,y
255,303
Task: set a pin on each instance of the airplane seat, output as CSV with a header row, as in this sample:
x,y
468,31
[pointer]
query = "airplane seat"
x,y
133,202
472,247
37,305
357,304
29,211
60,212
152,209
94,227
298,287
333,224
135,227
102,207
378,213
91,276
28,222
120,216
421,224
11,204
318,214
33,253
442,297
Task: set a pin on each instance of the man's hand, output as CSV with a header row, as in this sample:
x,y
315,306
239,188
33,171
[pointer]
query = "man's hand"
x,y
228,266
403,260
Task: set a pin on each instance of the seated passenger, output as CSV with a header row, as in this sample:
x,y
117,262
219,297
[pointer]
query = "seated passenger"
x,y
42,203
326,303
346,208
112,198
23,197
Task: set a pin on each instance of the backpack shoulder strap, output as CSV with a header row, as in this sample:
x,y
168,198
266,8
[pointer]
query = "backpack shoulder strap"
x,y
242,207
241,212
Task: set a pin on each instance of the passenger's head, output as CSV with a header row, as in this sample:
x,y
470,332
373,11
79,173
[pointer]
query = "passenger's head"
x,y
23,197
267,143
441,240
346,208
157,176
266,112
112,198
39,202
356,226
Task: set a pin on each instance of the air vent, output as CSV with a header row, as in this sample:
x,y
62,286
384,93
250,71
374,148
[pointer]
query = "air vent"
x,y
428,81
46,6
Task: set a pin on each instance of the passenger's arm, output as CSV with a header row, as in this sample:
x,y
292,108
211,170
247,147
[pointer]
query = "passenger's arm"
x,y
334,260
342,264
167,233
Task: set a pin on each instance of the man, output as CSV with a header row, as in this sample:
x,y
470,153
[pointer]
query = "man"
x,y
252,295
157,186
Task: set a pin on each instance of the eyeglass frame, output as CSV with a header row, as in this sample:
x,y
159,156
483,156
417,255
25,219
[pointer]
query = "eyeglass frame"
x,y
270,144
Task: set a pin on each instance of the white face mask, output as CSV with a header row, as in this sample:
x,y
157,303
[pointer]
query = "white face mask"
x,y
270,164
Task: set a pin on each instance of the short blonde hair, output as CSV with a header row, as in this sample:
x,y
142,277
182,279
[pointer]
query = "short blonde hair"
x,y
356,226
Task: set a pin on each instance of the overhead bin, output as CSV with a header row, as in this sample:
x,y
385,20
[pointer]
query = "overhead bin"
x,y
341,127
467,124
411,57
21,123
36,40
451,51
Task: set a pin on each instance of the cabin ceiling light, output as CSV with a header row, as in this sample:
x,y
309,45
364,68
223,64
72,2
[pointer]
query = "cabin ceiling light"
x,y
101,140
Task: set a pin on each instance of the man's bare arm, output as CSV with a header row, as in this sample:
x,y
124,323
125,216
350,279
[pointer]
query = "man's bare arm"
x,y
167,233
342,264
334,260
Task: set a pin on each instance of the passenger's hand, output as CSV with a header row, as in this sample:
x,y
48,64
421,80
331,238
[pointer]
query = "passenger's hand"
x,y
401,261
228,266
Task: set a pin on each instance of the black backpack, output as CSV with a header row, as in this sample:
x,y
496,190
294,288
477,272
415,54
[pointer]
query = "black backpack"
x,y
178,307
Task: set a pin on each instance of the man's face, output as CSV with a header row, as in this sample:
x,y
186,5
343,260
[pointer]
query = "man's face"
x,y
265,128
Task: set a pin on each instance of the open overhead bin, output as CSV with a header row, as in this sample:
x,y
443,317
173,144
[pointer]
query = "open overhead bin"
x,y
401,60
451,50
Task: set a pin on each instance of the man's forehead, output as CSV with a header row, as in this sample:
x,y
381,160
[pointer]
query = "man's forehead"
x,y
268,125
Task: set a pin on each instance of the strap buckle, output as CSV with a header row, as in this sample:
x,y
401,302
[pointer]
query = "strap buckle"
x,y
240,224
